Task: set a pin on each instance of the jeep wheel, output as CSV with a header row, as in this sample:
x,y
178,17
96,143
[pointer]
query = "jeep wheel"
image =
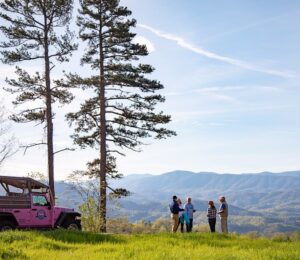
x,y
72,225
7,225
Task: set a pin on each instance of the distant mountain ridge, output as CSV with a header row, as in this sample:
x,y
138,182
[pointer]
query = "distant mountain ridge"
x,y
210,183
258,201
275,197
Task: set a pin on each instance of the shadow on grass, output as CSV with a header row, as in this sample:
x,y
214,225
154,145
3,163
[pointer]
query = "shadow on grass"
x,y
11,253
79,237
209,239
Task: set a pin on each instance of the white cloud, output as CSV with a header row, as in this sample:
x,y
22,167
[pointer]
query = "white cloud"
x,y
199,50
144,41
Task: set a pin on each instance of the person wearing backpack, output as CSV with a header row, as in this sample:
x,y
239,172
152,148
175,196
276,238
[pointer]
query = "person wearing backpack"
x,y
174,208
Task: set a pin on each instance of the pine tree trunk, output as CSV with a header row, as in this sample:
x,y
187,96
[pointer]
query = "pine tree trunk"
x,y
102,140
49,115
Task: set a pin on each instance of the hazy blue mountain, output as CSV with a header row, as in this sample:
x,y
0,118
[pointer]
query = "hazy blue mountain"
x,y
258,202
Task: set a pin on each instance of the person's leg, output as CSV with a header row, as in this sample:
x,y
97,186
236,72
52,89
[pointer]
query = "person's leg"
x,y
191,224
210,224
175,222
213,226
224,225
181,223
188,227
181,227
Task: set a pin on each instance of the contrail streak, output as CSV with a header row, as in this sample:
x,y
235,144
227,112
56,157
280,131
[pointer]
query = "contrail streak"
x,y
245,65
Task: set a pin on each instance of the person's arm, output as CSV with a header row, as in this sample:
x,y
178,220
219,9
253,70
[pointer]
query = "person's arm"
x,y
186,207
222,208
208,212
194,209
176,207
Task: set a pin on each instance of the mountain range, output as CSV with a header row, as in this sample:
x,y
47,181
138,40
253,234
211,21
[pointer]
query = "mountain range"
x,y
263,202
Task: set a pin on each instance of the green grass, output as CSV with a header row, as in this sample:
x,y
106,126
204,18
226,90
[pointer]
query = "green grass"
x,y
60,244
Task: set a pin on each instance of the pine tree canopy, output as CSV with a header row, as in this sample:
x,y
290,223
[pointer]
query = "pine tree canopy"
x,y
130,98
37,31
30,30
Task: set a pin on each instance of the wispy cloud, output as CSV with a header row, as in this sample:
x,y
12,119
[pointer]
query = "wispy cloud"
x,y
199,50
181,116
264,88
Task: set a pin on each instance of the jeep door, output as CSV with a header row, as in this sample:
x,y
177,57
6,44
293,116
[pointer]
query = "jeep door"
x,y
40,211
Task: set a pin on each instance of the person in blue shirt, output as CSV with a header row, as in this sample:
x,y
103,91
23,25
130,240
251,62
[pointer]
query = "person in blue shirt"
x,y
189,208
223,212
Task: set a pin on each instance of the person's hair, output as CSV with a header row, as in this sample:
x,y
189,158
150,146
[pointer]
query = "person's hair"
x,y
179,201
211,204
222,198
174,197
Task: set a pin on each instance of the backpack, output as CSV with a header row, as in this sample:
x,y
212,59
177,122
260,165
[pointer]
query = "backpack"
x,y
172,208
186,218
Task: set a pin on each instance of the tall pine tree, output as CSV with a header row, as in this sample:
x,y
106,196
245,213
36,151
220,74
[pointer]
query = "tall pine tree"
x,y
37,30
122,111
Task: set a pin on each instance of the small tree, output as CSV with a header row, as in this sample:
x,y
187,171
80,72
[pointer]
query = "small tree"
x,y
7,142
122,110
88,190
34,32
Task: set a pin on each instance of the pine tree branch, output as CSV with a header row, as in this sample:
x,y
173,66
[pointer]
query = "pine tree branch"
x,y
65,149
115,151
31,145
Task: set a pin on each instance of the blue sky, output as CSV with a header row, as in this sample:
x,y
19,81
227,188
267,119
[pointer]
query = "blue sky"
x,y
231,73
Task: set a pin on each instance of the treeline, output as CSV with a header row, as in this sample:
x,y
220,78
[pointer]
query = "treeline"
x,y
121,109
163,225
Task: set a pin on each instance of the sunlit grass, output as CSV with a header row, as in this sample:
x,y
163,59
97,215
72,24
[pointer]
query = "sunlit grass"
x,y
60,244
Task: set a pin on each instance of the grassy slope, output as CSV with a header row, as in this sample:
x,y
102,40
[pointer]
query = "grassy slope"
x,y
65,245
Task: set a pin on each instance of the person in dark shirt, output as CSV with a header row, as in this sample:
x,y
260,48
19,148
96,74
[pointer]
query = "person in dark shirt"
x,y
174,208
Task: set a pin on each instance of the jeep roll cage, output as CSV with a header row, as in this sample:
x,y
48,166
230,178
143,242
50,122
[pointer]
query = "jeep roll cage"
x,y
22,183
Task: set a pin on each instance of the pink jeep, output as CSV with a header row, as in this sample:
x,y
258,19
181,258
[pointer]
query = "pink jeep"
x,y
29,204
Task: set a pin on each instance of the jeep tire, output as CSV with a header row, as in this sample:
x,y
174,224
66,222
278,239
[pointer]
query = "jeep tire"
x,y
7,225
71,224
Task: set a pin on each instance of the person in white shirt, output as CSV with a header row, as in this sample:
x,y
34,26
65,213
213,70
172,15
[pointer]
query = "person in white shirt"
x,y
189,209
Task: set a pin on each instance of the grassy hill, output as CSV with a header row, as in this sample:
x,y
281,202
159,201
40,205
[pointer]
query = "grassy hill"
x,y
60,244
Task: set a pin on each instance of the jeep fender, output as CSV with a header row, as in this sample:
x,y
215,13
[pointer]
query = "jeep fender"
x,y
8,216
66,215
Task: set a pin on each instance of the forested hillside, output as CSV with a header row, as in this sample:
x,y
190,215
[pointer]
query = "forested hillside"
x,y
265,202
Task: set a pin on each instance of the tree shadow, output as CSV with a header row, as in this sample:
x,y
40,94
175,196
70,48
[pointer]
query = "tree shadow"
x,y
79,237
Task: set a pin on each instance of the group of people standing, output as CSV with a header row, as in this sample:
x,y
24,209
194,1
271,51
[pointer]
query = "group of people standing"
x,y
184,214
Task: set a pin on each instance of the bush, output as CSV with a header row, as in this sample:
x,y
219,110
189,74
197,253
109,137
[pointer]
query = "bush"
x,y
90,219
201,228
253,234
119,226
